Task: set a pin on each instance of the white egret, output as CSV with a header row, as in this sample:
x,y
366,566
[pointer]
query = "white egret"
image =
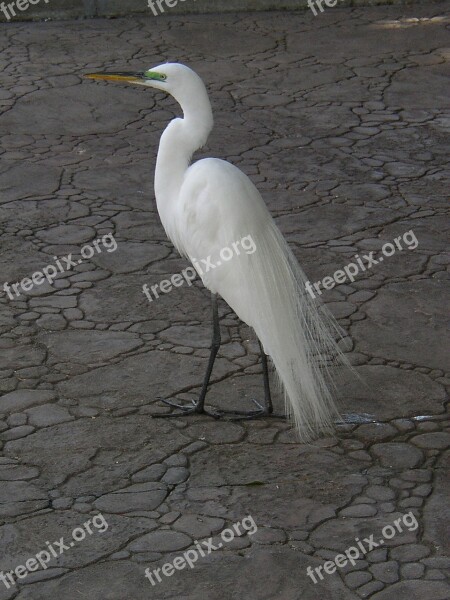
x,y
209,205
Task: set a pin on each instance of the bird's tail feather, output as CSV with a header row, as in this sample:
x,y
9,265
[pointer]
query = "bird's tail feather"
x,y
297,332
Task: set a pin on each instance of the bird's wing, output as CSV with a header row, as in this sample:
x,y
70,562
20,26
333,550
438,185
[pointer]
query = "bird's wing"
x,y
218,214
218,205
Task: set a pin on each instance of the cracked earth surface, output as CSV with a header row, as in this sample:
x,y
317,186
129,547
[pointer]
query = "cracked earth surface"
x,y
342,121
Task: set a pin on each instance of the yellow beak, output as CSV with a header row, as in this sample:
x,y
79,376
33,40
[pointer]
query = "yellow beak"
x,y
120,77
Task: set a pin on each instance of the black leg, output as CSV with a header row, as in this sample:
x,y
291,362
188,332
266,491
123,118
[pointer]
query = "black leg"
x,y
267,394
215,345
198,407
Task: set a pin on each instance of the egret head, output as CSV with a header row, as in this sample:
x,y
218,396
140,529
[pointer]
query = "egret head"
x,y
172,78
181,82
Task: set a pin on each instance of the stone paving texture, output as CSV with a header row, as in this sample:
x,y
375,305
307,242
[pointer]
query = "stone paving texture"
x,y
342,122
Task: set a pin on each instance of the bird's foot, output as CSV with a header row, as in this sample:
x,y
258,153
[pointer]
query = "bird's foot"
x,y
183,410
194,408
260,412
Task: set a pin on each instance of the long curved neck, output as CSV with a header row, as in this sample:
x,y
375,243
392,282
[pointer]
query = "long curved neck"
x,y
178,143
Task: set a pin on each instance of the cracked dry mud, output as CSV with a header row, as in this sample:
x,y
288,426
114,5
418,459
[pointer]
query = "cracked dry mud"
x,y
341,121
